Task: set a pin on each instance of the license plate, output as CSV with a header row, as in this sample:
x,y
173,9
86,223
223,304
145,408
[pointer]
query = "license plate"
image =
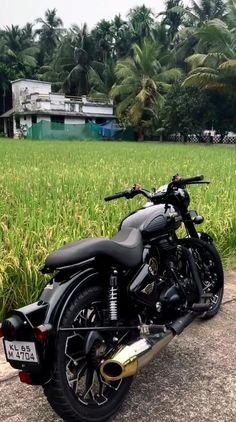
x,y
21,351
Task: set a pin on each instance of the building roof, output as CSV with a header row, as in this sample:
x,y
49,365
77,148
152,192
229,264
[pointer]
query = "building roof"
x,y
31,80
8,113
11,112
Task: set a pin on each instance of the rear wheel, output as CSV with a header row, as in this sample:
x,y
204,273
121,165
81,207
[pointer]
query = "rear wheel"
x,y
77,391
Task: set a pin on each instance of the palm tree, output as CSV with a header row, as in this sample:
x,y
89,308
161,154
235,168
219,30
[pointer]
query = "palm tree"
x,y
174,16
202,11
6,75
102,79
161,37
215,70
72,61
103,36
18,50
186,40
141,19
122,37
141,84
75,58
231,15
50,32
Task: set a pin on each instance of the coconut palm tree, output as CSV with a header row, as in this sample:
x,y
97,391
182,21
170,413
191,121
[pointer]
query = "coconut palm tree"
x,y
141,83
122,37
50,32
202,11
231,15
194,18
215,70
74,59
173,17
103,37
72,62
18,51
6,75
82,43
102,78
141,19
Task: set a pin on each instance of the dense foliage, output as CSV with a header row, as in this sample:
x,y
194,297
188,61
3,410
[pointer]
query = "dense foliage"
x,y
143,61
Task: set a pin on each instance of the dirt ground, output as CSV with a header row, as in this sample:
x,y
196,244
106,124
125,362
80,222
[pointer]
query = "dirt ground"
x,y
194,379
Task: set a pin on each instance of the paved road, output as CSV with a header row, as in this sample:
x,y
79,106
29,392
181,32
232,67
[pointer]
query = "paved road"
x,y
194,379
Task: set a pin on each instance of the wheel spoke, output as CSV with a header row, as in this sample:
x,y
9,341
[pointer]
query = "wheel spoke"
x,y
90,379
83,376
106,384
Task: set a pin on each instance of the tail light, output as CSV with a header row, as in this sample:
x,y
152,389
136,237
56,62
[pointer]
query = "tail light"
x,y
25,378
43,332
12,328
1,332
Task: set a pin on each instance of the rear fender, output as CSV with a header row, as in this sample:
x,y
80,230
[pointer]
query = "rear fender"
x,y
54,298
49,310
60,290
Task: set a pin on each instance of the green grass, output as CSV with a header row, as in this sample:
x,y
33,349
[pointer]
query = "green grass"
x,y
52,193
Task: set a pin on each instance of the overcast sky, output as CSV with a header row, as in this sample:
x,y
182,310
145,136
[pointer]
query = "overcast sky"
x,y
18,12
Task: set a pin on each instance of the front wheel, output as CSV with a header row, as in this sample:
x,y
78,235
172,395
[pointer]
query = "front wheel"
x,y
77,391
211,273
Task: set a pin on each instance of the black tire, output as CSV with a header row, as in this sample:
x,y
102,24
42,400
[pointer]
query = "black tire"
x,y
60,395
209,252
220,275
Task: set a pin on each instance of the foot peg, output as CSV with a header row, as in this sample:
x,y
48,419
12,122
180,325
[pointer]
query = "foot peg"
x,y
201,307
207,296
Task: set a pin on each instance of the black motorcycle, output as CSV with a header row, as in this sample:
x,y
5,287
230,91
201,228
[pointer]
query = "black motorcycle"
x,y
113,304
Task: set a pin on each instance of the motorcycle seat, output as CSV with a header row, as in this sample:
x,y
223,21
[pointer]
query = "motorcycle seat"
x,y
125,248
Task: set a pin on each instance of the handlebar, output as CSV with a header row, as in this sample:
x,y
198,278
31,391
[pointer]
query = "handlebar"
x,y
177,182
116,196
130,193
181,182
188,180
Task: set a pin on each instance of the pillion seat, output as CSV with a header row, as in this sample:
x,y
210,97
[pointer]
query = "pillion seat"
x,y
125,248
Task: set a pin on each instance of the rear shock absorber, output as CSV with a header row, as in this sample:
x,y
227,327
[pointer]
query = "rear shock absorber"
x,y
113,296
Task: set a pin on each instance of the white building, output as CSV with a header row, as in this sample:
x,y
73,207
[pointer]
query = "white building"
x,y
34,101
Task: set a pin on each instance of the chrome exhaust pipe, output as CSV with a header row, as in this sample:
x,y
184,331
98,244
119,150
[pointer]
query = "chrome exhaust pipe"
x,y
129,359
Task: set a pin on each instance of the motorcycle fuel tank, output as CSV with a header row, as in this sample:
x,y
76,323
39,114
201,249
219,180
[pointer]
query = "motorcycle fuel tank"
x,y
154,220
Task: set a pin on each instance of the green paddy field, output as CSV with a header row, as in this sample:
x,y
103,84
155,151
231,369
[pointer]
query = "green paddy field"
x,y
52,193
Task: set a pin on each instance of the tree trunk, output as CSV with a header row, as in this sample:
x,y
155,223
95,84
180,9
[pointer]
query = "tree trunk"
x,y
140,134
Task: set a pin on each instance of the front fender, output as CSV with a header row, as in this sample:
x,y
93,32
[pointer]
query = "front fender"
x,y
205,237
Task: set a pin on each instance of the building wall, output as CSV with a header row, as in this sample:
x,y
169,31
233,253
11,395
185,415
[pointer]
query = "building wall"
x,y
26,120
40,118
25,87
74,121
96,109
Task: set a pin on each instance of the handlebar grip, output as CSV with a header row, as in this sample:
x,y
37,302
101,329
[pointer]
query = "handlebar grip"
x,y
181,181
115,196
192,179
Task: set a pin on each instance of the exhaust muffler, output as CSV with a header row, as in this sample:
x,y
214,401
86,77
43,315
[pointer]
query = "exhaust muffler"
x,y
129,359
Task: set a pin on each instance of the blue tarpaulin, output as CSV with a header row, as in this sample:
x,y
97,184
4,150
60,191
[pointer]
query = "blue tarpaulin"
x,y
109,130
